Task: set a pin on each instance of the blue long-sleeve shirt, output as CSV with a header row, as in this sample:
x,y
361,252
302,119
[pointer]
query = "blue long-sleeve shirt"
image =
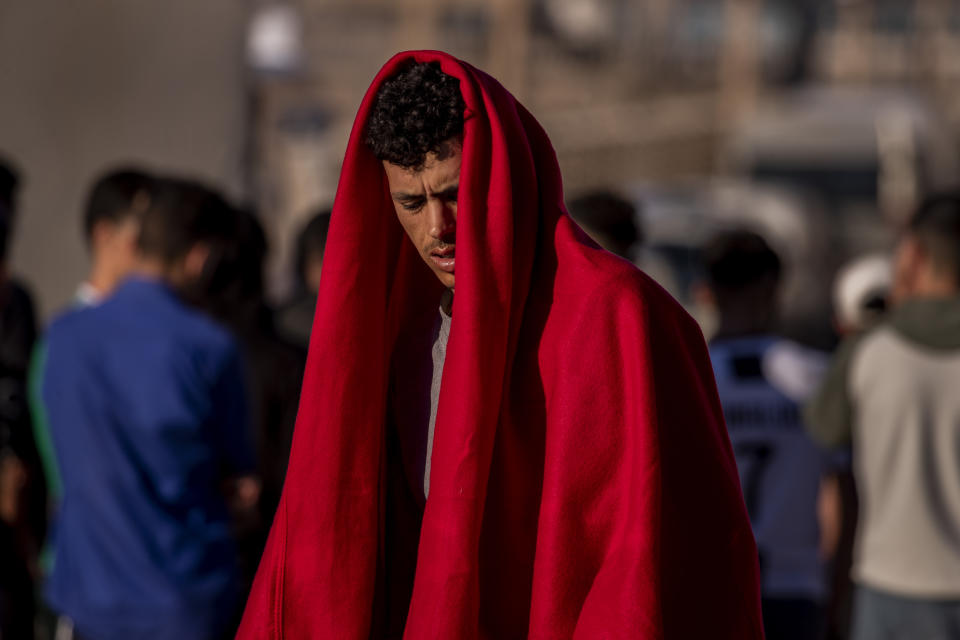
x,y
148,415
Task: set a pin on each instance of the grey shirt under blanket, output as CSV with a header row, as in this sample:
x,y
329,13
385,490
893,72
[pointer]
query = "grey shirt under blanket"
x,y
418,372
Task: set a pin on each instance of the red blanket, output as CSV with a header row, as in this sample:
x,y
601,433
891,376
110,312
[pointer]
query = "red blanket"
x,y
582,483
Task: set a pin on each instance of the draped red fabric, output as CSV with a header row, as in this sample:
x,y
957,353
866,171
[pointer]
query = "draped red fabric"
x,y
582,483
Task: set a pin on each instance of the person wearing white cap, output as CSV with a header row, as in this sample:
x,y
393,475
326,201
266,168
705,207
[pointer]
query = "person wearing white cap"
x,y
860,292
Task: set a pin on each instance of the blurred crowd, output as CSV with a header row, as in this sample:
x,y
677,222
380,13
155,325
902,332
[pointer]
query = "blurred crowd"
x,y
848,461
151,421
170,332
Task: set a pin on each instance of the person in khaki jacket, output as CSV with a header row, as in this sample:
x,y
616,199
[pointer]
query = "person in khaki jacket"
x,y
892,393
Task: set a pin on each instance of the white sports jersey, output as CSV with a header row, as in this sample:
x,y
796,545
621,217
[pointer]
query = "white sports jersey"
x,y
763,381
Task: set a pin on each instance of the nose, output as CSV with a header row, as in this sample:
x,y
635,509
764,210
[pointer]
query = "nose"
x,y
443,219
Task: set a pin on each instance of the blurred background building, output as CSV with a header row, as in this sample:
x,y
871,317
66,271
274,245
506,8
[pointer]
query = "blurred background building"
x,y
820,122
87,86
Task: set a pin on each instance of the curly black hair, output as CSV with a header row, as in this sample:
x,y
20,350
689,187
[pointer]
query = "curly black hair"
x,y
416,112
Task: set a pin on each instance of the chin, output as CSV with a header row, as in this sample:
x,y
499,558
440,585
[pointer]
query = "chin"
x,y
446,279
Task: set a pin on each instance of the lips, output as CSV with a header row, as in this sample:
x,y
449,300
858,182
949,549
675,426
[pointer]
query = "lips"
x,y
444,259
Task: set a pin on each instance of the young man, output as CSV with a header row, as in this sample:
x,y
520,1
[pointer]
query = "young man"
x,y
111,223
504,431
149,421
891,392
763,379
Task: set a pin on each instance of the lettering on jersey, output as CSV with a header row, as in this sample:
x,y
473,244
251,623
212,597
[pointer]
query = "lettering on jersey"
x,y
765,415
762,382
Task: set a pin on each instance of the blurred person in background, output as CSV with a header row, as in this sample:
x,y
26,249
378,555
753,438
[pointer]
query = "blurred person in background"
x,y
505,431
615,224
891,393
111,224
861,292
763,379
148,413
295,317
610,220
232,291
22,488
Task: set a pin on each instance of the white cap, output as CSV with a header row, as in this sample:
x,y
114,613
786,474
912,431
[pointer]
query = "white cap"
x,y
859,282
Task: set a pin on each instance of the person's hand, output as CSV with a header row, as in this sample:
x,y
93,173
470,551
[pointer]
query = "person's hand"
x,y
13,478
829,516
246,493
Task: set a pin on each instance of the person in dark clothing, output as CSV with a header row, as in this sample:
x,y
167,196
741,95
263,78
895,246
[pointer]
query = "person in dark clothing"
x,y
232,291
111,224
22,488
295,317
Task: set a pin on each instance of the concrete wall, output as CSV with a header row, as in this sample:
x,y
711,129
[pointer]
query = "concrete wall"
x,y
85,85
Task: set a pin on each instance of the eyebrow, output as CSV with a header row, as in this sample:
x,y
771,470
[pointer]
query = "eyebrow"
x,y
406,197
410,197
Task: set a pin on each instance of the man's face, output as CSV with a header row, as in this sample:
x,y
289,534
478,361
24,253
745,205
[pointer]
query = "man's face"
x,y
426,205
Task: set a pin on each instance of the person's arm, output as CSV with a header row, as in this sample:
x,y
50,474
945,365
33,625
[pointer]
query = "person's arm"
x,y
41,424
830,413
829,515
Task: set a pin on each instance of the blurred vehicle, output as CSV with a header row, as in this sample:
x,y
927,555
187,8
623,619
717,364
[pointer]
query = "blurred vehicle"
x,y
823,175
697,33
869,155
692,34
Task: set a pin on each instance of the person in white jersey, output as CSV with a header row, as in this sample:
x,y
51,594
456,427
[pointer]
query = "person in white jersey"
x,y
763,379
892,392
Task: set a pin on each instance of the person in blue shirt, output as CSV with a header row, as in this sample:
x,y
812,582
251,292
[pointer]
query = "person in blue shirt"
x,y
763,379
111,225
149,421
